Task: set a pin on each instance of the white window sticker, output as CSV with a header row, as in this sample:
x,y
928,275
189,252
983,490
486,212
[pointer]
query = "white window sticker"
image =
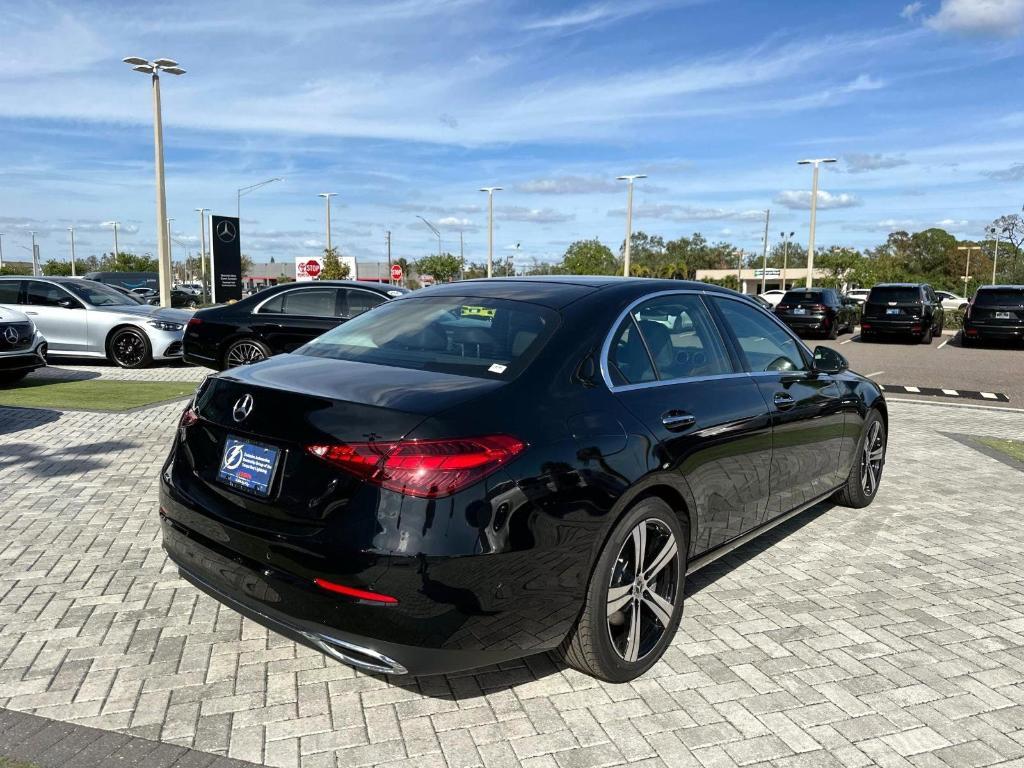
x,y
497,368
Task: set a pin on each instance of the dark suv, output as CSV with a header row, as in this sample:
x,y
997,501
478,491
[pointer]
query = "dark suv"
x,y
902,309
995,312
819,310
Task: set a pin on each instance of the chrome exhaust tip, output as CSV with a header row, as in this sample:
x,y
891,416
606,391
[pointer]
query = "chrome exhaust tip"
x,y
355,655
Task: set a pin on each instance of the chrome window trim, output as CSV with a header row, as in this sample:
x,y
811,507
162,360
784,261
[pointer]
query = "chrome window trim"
x,y
258,307
606,346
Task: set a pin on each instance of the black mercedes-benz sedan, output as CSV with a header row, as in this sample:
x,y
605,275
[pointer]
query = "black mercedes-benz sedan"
x,y
496,468
277,319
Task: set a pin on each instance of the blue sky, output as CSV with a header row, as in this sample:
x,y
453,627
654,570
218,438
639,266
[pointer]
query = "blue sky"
x,y
407,107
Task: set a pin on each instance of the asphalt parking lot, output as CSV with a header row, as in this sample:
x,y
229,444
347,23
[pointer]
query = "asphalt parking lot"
x,y
944,364
891,636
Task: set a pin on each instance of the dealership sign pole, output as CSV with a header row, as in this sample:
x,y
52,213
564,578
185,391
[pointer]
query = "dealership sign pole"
x,y
226,259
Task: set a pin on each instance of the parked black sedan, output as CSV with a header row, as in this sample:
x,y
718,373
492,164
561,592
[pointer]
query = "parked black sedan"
x,y
278,319
818,310
496,468
996,312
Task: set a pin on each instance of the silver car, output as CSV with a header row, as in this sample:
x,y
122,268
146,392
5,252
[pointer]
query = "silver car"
x,y
22,346
83,318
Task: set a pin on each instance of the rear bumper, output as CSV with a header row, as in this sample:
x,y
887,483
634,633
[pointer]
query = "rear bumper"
x,y
977,330
806,322
882,325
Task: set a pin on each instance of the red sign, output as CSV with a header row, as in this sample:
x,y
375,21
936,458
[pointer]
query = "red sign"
x,y
396,272
313,268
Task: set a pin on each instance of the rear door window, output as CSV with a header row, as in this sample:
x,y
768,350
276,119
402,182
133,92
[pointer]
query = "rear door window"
x,y
42,294
311,302
486,338
354,302
1000,297
9,290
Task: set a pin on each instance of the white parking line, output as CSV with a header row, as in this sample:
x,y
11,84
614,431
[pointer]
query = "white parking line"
x,y
950,392
912,389
989,395
876,373
845,342
945,342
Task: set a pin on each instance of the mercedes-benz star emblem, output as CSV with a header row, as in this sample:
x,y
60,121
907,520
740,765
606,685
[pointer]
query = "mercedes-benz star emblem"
x,y
11,334
243,407
226,231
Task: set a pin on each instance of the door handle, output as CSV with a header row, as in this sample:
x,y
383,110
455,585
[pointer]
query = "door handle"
x,y
783,401
28,312
674,420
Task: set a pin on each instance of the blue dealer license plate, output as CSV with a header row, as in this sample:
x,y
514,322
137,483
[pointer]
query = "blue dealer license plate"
x,y
249,466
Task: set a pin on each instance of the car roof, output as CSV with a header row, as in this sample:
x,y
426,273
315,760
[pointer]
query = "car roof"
x,y
1009,286
900,285
557,291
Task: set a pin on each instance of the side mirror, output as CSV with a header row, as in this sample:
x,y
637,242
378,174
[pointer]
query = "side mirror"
x,y
68,303
827,360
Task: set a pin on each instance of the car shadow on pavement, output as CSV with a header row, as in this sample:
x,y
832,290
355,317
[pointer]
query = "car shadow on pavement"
x,y
17,419
60,373
63,461
484,681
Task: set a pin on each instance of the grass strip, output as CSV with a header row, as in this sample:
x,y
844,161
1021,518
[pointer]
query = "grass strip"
x,y
93,394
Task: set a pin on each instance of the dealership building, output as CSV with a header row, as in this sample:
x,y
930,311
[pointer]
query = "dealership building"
x,y
750,279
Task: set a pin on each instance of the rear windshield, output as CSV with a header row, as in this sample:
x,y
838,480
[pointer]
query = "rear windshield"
x,y
486,338
883,295
802,297
1000,296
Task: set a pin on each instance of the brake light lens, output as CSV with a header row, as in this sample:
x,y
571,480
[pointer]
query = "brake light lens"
x,y
358,594
189,416
427,469
193,322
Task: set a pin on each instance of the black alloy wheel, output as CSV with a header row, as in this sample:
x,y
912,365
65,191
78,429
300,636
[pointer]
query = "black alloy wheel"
x,y
861,485
245,352
129,348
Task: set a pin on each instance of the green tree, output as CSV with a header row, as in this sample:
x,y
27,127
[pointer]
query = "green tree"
x,y
443,267
246,264
475,270
589,257
15,269
124,261
60,268
334,267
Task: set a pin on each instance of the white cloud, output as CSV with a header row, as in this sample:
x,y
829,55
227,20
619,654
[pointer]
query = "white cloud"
x,y
532,215
1014,173
592,15
1000,18
910,10
685,213
567,185
801,200
857,162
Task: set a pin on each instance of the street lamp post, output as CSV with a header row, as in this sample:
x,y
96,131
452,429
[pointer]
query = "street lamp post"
x,y
154,68
814,212
433,229
202,246
1,250
35,258
995,257
246,190
327,199
764,251
629,179
490,226
785,254
71,231
967,268
114,225
170,259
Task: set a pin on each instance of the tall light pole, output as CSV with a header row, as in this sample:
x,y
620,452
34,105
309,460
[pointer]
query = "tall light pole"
x,y
170,259
71,232
967,268
814,213
114,225
764,252
35,258
154,68
629,179
1,249
785,254
327,199
242,191
434,230
490,226
995,232
202,246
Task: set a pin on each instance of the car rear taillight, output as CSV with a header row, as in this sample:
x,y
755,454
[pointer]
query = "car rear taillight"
x,y
358,594
782,307
194,321
189,416
428,469
817,307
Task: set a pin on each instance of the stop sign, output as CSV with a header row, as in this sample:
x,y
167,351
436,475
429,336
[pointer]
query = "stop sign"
x,y
313,268
396,271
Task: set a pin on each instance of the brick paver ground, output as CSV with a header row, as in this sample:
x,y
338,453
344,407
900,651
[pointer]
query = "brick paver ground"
x,y
892,636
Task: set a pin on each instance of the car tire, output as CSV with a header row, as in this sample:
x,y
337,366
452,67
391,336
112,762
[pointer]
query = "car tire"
x,y
621,646
833,331
926,337
861,485
129,348
245,352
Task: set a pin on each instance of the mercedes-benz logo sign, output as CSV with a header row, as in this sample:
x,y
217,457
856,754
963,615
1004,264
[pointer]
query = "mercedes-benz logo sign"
x,y
243,407
11,334
226,231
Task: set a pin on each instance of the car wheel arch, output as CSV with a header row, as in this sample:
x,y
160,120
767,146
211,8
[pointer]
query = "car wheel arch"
x,y
244,334
123,327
